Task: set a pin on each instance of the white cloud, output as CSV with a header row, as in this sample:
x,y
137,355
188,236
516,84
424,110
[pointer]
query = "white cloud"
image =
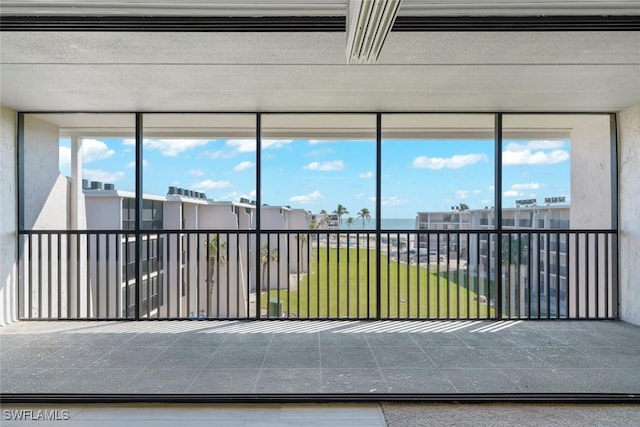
x,y
169,147
133,164
102,176
64,156
249,145
454,162
536,145
492,188
92,150
209,184
462,194
252,193
368,174
242,145
242,166
477,191
197,172
173,147
517,190
392,201
307,198
335,165
535,153
320,152
360,196
529,186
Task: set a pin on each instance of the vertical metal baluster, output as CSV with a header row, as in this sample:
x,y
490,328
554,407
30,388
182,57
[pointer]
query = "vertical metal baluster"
x,y
587,239
438,276
29,270
567,294
558,269
418,273
529,281
59,301
606,276
540,273
97,239
548,273
88,283
596,274
188,283
209,285
40,268
49,277
348,274
448,282
428,236
458,309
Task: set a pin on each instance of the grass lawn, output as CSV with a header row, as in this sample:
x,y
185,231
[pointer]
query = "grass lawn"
x,y
342,284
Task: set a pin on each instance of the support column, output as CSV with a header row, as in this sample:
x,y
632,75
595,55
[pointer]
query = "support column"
x,y
76,270
629,214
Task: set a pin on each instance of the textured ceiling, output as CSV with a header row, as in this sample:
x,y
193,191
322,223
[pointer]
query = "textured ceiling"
x,y
419,71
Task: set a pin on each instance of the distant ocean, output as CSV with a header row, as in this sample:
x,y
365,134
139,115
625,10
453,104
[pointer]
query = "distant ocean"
x,y
387,224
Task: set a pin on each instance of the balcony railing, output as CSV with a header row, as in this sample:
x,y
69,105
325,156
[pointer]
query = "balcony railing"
x,y
317,274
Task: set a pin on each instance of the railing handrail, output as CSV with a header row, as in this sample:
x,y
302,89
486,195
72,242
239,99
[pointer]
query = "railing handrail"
x,y
306,231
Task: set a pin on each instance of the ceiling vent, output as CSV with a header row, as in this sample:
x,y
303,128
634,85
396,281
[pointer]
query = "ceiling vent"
x,y
368,23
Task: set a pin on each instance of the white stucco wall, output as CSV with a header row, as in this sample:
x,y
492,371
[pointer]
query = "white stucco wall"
x,y
45,190
629,213
103,213
8,185
591,173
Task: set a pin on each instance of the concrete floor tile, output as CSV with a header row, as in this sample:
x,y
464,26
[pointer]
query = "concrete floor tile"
x,y
346,357
543,380
161,381
292,357
183,358
479,380
402,357
417,380
567,357
292,380
349,380
216,381
457,357
238,357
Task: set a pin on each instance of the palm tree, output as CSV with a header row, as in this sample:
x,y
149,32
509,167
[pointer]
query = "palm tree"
x,y
365,215
340,210
217,257
350,222
265,258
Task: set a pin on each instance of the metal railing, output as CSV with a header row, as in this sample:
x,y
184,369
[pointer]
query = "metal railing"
x,y
318,274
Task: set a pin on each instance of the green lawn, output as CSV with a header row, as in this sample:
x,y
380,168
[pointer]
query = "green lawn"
x,y
350,290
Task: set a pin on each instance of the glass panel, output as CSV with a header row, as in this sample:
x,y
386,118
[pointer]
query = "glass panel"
x,y
199,169
437,177
556,176
318,173
77,171
103,172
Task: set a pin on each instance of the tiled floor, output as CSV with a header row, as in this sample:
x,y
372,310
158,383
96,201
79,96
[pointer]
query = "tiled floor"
x,y
320,357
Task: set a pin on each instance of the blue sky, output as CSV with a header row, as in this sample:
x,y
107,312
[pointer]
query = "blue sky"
x,y
417,175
